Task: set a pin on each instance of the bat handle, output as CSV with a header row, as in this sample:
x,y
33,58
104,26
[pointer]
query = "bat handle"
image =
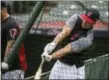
x,y
38,73
42,62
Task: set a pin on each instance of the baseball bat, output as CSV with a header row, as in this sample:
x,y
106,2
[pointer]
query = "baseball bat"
x,y
39,71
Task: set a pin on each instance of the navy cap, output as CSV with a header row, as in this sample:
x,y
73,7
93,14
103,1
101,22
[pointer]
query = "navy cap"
x,y
91,15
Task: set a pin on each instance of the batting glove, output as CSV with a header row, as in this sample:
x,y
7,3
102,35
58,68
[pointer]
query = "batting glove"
x,y
50,47
46,57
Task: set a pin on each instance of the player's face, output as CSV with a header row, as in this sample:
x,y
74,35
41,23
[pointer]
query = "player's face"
x,y
87,25
3,10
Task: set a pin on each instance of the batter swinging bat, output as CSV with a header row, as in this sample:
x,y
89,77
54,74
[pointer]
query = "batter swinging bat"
x,y
39,71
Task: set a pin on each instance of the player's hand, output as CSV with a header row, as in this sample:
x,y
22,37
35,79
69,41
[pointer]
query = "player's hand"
x,y
45,56
50,47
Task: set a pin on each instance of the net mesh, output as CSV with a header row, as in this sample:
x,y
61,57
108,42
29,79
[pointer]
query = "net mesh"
x,y
55,14
51,20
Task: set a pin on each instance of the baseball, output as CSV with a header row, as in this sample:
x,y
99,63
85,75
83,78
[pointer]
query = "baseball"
x,y
5,66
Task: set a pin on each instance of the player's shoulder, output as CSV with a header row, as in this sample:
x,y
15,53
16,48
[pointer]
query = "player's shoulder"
x,y
12,20
74,17
12,23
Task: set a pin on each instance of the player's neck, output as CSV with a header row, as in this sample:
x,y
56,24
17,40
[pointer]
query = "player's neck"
x,y
5,17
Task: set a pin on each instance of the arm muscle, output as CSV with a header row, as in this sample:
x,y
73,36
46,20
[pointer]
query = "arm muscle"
x,y
62,35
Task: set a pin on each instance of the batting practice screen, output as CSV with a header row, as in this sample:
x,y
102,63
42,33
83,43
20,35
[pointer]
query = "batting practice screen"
x,y
49,24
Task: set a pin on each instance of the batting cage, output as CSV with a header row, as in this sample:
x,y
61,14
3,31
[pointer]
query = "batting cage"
x,y
41,22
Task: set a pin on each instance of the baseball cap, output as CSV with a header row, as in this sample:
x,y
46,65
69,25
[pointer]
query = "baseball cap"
x,y
3,4
91,15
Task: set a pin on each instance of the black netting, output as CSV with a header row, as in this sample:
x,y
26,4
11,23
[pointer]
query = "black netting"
x,y
49,24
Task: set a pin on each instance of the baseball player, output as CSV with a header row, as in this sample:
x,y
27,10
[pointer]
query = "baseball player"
x,y
9,34
78,31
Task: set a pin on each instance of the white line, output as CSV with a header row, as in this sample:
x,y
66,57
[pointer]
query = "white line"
x,y
45,73
97,58
41,75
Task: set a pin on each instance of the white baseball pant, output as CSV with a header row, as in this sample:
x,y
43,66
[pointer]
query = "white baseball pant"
x,y
64,71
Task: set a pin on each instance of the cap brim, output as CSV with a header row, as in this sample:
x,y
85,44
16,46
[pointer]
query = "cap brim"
x,y
86,18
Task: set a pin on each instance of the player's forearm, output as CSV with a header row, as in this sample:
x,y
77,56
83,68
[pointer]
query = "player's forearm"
x,y
62,35
59,37
9,46
62,52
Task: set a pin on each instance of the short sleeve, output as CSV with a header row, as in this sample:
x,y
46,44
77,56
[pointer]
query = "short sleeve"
x,y
82,43
72,21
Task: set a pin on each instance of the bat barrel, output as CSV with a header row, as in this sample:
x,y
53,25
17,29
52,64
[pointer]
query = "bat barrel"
x,y
39,71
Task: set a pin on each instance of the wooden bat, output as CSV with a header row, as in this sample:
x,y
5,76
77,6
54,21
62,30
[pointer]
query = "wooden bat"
x,y
39,71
